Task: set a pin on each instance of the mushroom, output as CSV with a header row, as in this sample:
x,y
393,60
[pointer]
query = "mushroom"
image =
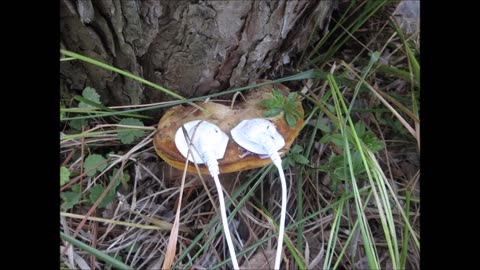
x,y
243,121
225,119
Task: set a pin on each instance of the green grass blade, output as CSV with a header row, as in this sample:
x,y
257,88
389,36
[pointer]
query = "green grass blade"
x,y
299,212
350,237
105,108
67,59
370,251
100,255
309,74
403,259
411,56
296,256
373,60
402,74
378,181
260,175
290,227
371,7
327,36
89,134
332,239
126,74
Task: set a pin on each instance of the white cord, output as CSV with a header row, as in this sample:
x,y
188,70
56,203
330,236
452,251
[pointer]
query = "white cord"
x,y
283,213
212,164
208,143
268,144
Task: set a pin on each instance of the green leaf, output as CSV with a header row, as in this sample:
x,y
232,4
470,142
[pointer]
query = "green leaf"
x,y
132,248
359,128
269,103
98,189
64,175
76,187
91,161
272,112
300,159
128,135
78,123
126,178
296,113
292,97
296,149
70,198
288,162
341,174
93,104
95,193
278,96
326,138
292,105
372,142
337,139
291,121
323,127
90,94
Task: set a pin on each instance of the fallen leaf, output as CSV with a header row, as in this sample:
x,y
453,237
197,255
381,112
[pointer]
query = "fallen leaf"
x,y
261,260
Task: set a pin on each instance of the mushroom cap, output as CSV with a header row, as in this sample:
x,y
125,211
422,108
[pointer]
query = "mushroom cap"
x,y
226,119
243,133
218,139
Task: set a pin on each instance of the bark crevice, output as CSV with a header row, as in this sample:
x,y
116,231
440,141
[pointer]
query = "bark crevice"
x,y
191,48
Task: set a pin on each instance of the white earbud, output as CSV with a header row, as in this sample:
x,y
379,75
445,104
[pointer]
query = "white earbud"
x,y
209,144
260,136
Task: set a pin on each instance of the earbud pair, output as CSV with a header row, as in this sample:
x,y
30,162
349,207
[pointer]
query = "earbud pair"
x,y
209,143
256,135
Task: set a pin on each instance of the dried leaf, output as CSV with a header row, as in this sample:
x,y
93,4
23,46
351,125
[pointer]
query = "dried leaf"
x,y
261,260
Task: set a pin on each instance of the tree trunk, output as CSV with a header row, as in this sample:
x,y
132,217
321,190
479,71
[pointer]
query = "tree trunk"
x,y
190,47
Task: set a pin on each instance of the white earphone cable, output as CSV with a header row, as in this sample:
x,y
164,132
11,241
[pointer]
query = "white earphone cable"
x,y
212,164
281,227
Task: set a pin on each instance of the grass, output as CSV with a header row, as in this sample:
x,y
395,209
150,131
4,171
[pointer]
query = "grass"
x,y
354,205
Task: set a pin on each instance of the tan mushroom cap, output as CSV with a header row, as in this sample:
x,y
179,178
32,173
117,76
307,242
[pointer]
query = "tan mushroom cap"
x,y
226,119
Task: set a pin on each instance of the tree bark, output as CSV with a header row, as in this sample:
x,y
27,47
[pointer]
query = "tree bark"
x,y
190,47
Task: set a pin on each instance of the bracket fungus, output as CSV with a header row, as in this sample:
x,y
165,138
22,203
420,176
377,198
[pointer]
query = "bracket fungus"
x,y
225,118
215,153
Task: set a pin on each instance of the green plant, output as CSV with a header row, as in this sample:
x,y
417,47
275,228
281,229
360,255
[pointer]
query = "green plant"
x,y
71,198
128,135
113,261
74,197
64,175
279,104
98,189
294,156
91,95
94,163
